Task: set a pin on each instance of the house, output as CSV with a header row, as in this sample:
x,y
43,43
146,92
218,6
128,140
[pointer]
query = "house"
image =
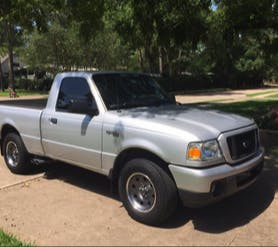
x,y
5,64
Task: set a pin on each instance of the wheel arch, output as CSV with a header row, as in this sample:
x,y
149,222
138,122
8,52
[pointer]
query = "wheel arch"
x,y
6,129
131,153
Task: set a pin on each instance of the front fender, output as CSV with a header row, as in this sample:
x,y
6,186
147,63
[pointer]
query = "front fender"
x,y
143,144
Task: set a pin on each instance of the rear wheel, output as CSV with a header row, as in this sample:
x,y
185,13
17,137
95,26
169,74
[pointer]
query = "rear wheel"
x,y
148,192
15,154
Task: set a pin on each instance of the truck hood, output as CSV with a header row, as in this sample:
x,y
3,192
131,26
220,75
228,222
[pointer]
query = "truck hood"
x,y
183,120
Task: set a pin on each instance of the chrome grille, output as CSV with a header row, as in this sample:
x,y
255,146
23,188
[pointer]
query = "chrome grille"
x,y
243,144
232,145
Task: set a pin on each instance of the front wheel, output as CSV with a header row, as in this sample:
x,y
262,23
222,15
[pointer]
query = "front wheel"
x,y
147,191
15,154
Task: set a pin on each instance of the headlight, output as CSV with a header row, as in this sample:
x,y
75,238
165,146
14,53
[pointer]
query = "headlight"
x,y
202,151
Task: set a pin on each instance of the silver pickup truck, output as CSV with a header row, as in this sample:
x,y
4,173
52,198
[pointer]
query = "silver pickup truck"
x,y
123,125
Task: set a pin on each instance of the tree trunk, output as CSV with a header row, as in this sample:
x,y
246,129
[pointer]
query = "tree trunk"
x,y
1,70
166,65
141,60
160,60
149,56
11,72
148,59
171,69
179,62
2,78
9,32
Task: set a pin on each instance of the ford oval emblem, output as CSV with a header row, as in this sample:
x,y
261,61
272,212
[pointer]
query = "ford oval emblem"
x,y
245,144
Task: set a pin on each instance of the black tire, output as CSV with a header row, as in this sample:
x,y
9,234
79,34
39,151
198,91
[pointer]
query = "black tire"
x,y
15,154
147,191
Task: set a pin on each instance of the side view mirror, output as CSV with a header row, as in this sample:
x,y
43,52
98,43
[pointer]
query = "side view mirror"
x,y
83,106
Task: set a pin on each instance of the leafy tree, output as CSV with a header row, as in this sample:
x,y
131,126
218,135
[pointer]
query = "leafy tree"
x,y
51,50
66,47
238,39
17,15
88,13
159,28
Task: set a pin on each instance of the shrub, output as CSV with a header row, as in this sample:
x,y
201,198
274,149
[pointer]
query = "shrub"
x,y
269,120
42,84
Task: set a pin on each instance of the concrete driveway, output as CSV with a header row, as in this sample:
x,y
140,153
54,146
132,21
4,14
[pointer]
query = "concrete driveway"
x,y
71,206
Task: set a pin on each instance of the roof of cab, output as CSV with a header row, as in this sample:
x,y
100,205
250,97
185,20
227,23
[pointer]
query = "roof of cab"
x,y
102,72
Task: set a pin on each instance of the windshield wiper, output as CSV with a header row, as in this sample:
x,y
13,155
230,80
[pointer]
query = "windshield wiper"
x,y
124,105
160,103
127,105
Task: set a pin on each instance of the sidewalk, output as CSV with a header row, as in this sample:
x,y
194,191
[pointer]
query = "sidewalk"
x,y
225,96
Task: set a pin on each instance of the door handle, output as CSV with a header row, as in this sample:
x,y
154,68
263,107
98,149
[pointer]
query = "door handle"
x,y
53,120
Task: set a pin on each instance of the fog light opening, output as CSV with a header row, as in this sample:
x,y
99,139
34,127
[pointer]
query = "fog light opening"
x,y
218,188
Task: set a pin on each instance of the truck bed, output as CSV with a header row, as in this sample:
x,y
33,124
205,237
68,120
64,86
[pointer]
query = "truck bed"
x,y
25,116
26,103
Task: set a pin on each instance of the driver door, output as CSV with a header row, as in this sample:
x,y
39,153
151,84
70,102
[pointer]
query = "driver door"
x,y
69,136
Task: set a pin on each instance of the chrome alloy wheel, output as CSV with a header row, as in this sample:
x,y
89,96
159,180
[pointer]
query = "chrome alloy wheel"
x,y
12,154
141,192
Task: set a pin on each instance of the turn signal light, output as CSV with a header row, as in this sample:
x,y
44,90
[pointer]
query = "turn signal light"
x,y
194,153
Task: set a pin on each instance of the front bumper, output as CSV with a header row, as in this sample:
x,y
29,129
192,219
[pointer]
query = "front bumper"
x,y
198,187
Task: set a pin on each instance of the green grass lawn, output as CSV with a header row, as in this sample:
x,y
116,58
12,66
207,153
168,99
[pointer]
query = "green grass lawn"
x,y
250,108
22,92
9,240
259,93
273,96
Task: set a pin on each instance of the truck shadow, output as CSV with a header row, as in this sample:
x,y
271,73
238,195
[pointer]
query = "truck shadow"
x,y
79,177
233,212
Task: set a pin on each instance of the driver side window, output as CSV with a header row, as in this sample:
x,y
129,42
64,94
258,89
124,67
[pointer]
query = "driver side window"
x,y
72,89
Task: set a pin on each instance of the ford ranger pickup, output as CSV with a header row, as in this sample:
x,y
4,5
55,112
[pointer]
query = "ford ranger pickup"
x,y
123,125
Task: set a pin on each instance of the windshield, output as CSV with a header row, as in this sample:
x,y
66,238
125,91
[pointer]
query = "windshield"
x,y
130,90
